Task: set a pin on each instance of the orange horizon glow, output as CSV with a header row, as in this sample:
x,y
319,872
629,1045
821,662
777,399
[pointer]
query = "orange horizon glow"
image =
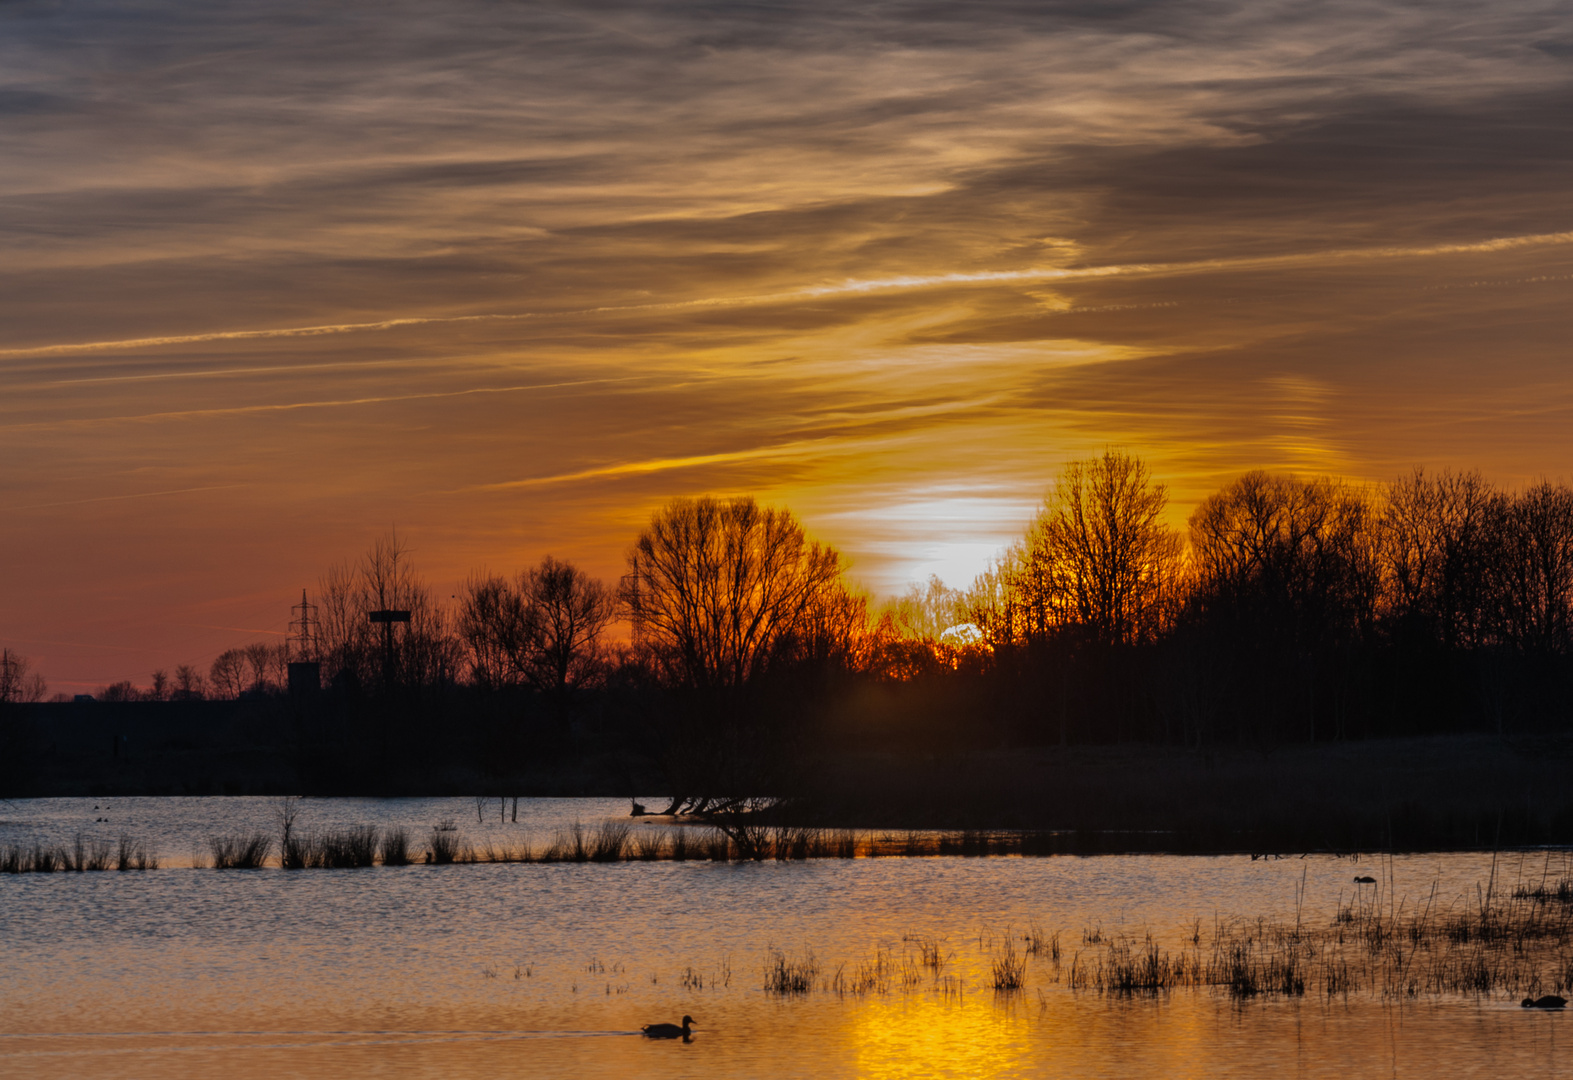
x,y
512,279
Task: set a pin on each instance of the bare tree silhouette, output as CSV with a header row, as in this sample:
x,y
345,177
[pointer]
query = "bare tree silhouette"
x,y
377,656
18,681
713,585
545,630
1097,558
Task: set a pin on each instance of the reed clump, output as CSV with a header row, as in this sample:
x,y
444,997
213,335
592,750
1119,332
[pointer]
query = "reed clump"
x,y
248,851
787,975
1008,968
569,845
649,846
444,845
503,853
395,847
81,855
609,843
134,855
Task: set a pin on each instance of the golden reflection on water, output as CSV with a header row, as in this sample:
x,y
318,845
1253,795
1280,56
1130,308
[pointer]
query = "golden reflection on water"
x,y
411,972
890,1038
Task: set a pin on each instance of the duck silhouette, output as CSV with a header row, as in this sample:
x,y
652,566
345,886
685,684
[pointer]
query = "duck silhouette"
x,y
668,1031
1365,879
1550,1001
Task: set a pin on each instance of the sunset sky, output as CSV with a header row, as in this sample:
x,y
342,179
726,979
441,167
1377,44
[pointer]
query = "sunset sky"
x,y
508,276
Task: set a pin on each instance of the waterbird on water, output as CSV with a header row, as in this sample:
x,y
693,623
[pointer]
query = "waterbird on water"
x,y
1365,879
669,1031
1550,1001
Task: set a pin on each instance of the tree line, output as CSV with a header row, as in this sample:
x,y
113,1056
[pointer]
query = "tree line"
x,y
1288,609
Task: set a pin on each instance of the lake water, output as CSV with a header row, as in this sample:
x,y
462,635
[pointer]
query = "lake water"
x,y
548,969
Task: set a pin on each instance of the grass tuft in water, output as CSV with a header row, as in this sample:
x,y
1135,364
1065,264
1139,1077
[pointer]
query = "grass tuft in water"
x,y
243,852
445,845
787,975
649,846
1008,969
395,847
609,842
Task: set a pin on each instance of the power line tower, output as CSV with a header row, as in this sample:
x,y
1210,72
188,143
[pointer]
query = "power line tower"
x,y
303,640
305,651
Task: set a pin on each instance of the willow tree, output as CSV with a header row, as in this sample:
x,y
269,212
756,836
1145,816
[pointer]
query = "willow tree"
x,y
715,586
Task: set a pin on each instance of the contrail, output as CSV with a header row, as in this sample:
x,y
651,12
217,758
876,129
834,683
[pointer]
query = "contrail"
x,y
291,406
845,288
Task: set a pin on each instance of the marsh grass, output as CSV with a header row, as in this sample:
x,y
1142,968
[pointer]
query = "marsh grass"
x,y
503,853
649,846
791,844
133,855
445,846
840,844
1519,944
344,849
243,852
91,854
786,975
916,965
81,855
717,846
574,844
929,950
609,843
47,860
1008,969
1041,943
395,847
362,846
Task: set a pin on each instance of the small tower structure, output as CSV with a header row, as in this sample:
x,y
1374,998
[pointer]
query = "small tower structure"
x,y
305,656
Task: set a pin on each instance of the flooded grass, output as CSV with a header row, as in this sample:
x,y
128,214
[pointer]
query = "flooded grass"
x,y
787,975
244,852
444,845
1511,944
650,847
1518,944
609,843
133,855
930,954
396,847
1009,969
81,855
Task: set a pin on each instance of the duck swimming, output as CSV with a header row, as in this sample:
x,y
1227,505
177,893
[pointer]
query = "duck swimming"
x,y
668,1031
1550,1001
